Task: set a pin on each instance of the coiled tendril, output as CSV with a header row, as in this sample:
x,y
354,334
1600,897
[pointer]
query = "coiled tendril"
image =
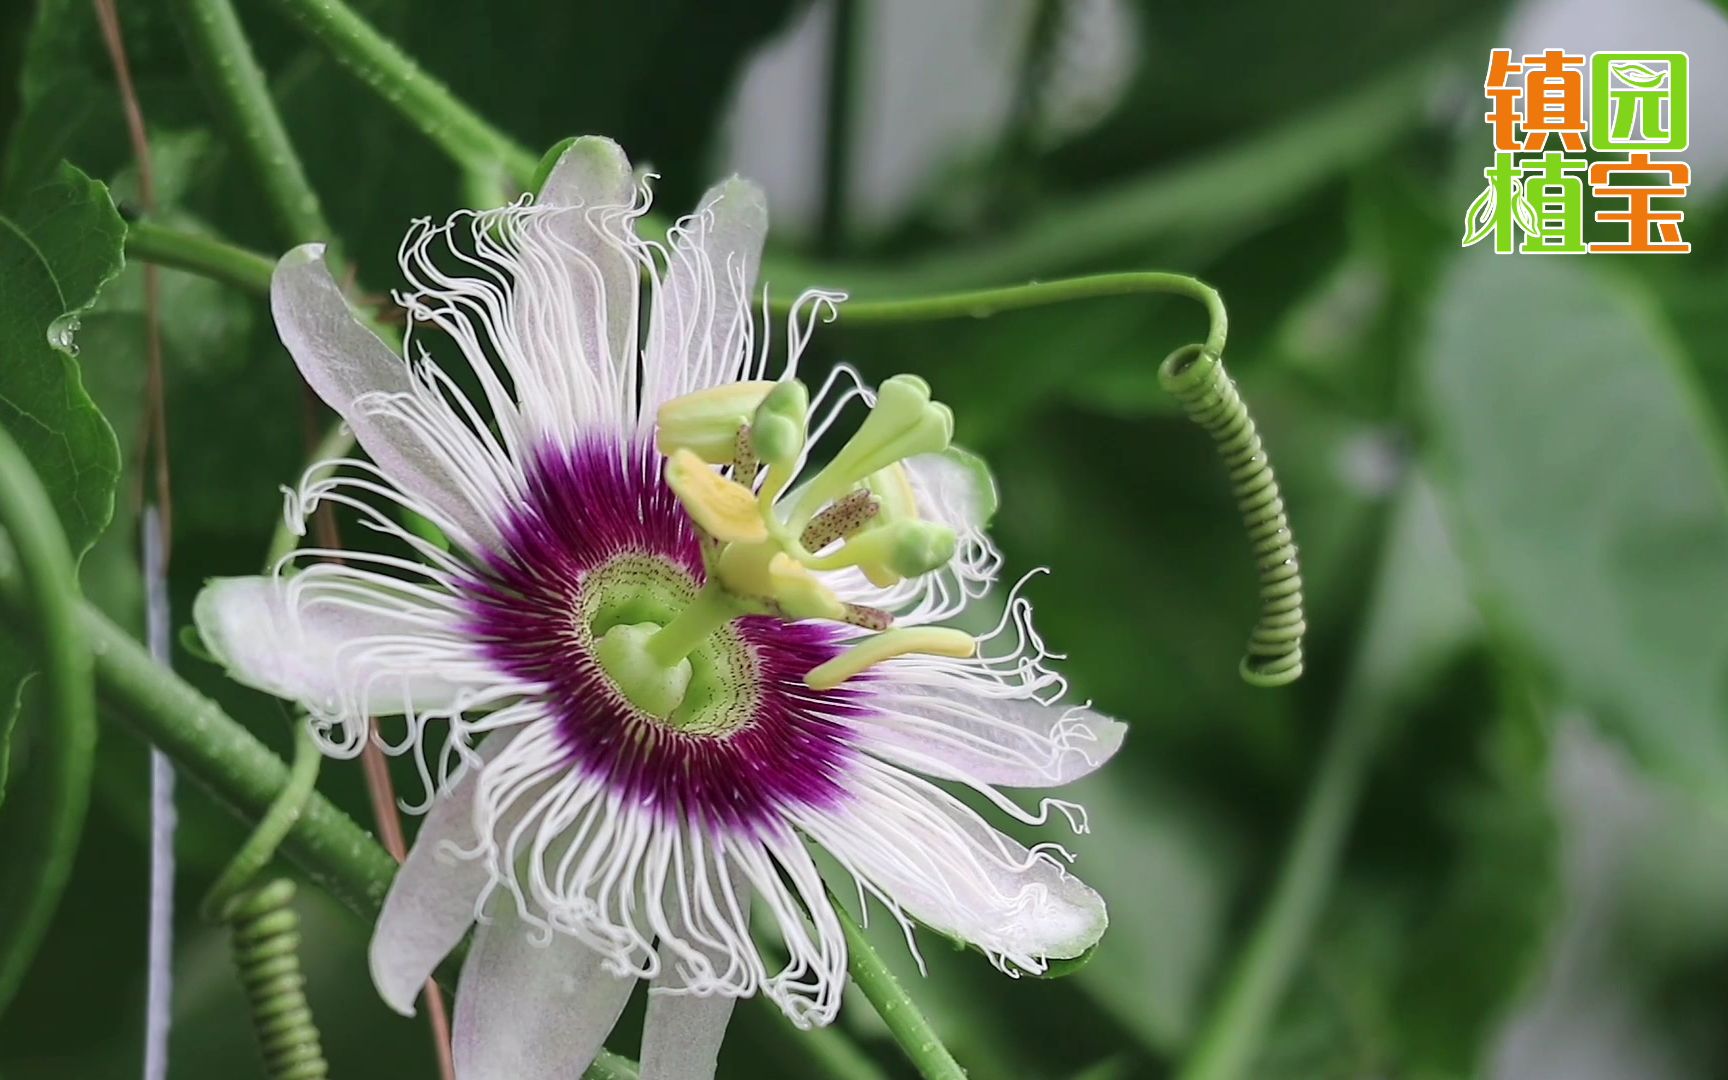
x,y
1196,378
265,932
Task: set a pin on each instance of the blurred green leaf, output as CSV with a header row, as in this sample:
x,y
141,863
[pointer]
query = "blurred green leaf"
x,y
1170,866
1207,201
1284,59
1443,901
1587,484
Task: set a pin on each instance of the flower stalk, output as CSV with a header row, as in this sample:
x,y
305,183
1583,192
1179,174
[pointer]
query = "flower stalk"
x,y
896,1008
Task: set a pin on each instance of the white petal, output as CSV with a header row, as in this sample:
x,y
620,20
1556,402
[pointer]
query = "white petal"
x,y
356,373
702,334
683,1031
318,653
948,868
531,1007
981,731
594,175
682,1034
431,902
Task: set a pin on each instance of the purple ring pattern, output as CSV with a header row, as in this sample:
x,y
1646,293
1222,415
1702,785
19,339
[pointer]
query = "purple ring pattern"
x,y
589,504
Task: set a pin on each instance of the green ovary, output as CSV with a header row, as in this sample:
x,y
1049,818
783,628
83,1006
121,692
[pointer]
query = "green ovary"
x,y
620,605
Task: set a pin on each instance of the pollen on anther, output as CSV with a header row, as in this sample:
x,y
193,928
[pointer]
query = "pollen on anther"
x,y
842,519
868,617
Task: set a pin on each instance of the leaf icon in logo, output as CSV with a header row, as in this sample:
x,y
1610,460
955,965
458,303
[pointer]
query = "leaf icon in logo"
x,y
1479,219
1522,211
1638,75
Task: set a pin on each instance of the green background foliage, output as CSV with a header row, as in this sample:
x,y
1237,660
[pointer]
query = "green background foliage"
x,y
1506,475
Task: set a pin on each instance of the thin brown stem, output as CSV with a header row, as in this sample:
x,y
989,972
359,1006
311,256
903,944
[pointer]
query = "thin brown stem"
x,y
379,787
154,436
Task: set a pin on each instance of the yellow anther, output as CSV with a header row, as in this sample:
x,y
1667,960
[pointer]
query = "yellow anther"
x,y
931,640
724,510
706,422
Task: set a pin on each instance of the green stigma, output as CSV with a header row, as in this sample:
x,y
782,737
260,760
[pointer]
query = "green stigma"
x,y
629,602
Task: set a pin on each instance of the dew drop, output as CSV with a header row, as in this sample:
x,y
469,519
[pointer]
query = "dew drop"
x,y
60,333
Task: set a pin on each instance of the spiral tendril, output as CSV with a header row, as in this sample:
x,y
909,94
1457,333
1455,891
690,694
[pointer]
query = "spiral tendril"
x,y
1197,379
265,933
266,943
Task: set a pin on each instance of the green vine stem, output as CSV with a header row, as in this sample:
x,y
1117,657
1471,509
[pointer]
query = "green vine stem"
x,y
979,303
459,131
64,748
235,88
206,256
260,847
265,929
251,271
904,1019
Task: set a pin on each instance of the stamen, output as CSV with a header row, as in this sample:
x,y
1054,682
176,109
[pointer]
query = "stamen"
x,y
867,617
893,552
745,461
934,640
840,521
904,422
777,433
761,560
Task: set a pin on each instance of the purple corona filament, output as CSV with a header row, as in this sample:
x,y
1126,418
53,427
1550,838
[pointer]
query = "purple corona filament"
x,y
585,507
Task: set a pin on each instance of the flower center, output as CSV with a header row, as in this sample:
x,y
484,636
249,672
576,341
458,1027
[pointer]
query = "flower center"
x,y
624,603
763,553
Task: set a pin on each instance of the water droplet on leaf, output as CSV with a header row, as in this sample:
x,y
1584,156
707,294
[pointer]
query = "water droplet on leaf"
x,y
60,334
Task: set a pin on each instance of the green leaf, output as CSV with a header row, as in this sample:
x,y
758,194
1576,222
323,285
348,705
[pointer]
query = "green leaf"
x,y
1582,471
1479,219
57,248
60,245
1635,74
